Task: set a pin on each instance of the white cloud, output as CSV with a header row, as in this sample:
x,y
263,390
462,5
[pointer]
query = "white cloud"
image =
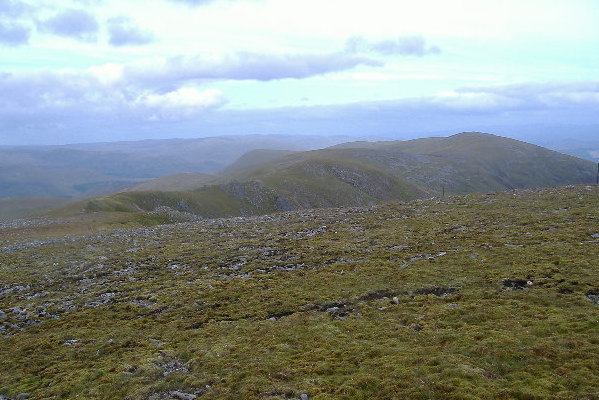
x,y
410,45
179,104
123,31
107,74
528,95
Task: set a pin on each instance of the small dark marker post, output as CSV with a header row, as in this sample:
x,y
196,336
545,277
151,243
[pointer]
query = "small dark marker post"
x,y
598,173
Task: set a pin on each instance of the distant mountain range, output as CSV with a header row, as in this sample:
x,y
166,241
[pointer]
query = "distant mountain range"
x,y
85,170
351,174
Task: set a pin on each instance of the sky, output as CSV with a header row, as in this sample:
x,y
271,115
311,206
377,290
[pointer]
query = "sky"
x,y
78,71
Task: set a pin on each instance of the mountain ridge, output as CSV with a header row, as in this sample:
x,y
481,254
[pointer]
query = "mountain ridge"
x,y
361,174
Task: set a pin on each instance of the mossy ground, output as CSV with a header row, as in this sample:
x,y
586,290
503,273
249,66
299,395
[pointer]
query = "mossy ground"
x,y
466,297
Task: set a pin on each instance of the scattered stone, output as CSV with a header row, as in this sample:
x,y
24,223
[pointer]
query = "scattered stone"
x,y
157,342
304,396
182,396
169,363
395,300
593,295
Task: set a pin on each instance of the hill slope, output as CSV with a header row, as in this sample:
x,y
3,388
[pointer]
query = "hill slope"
x,y
359,174
489,296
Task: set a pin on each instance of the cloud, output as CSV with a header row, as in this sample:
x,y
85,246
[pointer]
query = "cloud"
x,y
179,104
412,45
77,24
13,30
49,90
49,107
163,88
242,66
14,34
544,95
83,93
123,31
193,2
13,8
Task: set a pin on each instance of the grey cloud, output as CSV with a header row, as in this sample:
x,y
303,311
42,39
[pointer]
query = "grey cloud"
x,y
13,8
48,90
78,93
244,66
14,28
77,24
14,34
50,106
123,31
145,93
413,45
104,88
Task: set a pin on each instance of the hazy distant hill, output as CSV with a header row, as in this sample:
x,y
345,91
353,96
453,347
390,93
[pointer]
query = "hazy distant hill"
x,y
86,170
16,207
359,174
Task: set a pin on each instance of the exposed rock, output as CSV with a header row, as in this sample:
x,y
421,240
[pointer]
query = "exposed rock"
x,y
437,291
515,284
182,396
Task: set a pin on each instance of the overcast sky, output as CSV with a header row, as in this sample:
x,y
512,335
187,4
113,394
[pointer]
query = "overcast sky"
x,y
101,70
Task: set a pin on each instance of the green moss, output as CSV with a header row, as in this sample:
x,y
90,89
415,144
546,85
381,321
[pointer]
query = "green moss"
x,y
478,296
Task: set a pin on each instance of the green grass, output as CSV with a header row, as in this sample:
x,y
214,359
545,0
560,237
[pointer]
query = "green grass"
x,y
402,300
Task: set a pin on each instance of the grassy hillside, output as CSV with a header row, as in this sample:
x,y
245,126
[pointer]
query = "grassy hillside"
x,y
482,296
176,182
358,174
254,158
